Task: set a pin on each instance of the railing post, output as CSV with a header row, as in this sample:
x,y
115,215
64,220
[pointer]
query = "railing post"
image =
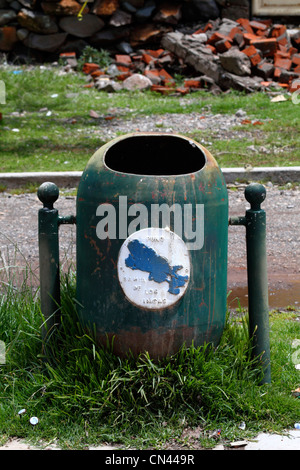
x,y
49,257
258,305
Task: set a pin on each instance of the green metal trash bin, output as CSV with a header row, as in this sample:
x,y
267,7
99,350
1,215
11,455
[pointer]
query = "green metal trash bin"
x,y
152,233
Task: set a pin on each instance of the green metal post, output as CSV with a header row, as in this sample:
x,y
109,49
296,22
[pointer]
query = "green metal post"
x,y
49,257
258,306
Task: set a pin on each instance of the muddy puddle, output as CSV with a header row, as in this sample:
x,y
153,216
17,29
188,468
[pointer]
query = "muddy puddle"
x,y
278,297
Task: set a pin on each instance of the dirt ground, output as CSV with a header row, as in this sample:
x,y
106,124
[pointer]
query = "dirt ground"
x,y
19,241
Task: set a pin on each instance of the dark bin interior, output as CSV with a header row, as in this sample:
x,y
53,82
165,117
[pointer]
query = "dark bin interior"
x,y
155,155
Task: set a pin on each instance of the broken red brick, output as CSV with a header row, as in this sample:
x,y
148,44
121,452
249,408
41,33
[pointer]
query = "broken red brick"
x,y
123,59
245,24
212,48
97,73
257,25
267,46
68,55
90,67
189,83
283,54
123,76
207,26
296,59
164,90
217,37
248,37
278,30
153,75
156,53
166,77
297,69
295,85
199,31
265,83
182,90
253,54
234,31
223,45
123,68
282,40
283,63
147,58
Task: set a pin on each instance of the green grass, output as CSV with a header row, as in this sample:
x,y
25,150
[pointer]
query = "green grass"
x,y
84,395
67,138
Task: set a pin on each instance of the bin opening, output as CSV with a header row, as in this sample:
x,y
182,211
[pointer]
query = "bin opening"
x,y
155,155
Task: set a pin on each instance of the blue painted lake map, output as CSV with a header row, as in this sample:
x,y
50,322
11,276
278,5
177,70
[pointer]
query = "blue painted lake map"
x,y
144,258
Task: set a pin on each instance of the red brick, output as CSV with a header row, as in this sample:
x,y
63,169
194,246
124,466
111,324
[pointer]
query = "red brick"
x,y
258,25
295,85
278,30
192,83
123,59
212,48
246,25
97,73
266,83
282,40
164,90
90,67
166,77
234,31
123,68
223,45
217,37
267,46
147,58
297,69
283,63
296,59
207,27
248,37
156,53
182,90
283,54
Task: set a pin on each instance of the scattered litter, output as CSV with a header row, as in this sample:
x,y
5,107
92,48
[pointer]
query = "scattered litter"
x,y
278,98
297,425
242,426
296,392
48,113
93,114
238,444
55,95
22,412
34,421
15,130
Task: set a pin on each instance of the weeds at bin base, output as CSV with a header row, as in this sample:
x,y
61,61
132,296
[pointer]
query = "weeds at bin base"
x,y
85,395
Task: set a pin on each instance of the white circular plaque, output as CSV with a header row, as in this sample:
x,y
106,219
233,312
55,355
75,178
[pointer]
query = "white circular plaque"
x,y
154,268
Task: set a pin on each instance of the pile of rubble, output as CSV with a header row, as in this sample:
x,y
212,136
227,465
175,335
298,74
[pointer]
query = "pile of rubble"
x,y
224,54
42,27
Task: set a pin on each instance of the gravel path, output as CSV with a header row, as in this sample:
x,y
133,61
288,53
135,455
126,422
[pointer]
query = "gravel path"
x,y
19,240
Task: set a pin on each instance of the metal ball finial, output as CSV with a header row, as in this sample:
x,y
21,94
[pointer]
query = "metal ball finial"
x,y
48,193
255,193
